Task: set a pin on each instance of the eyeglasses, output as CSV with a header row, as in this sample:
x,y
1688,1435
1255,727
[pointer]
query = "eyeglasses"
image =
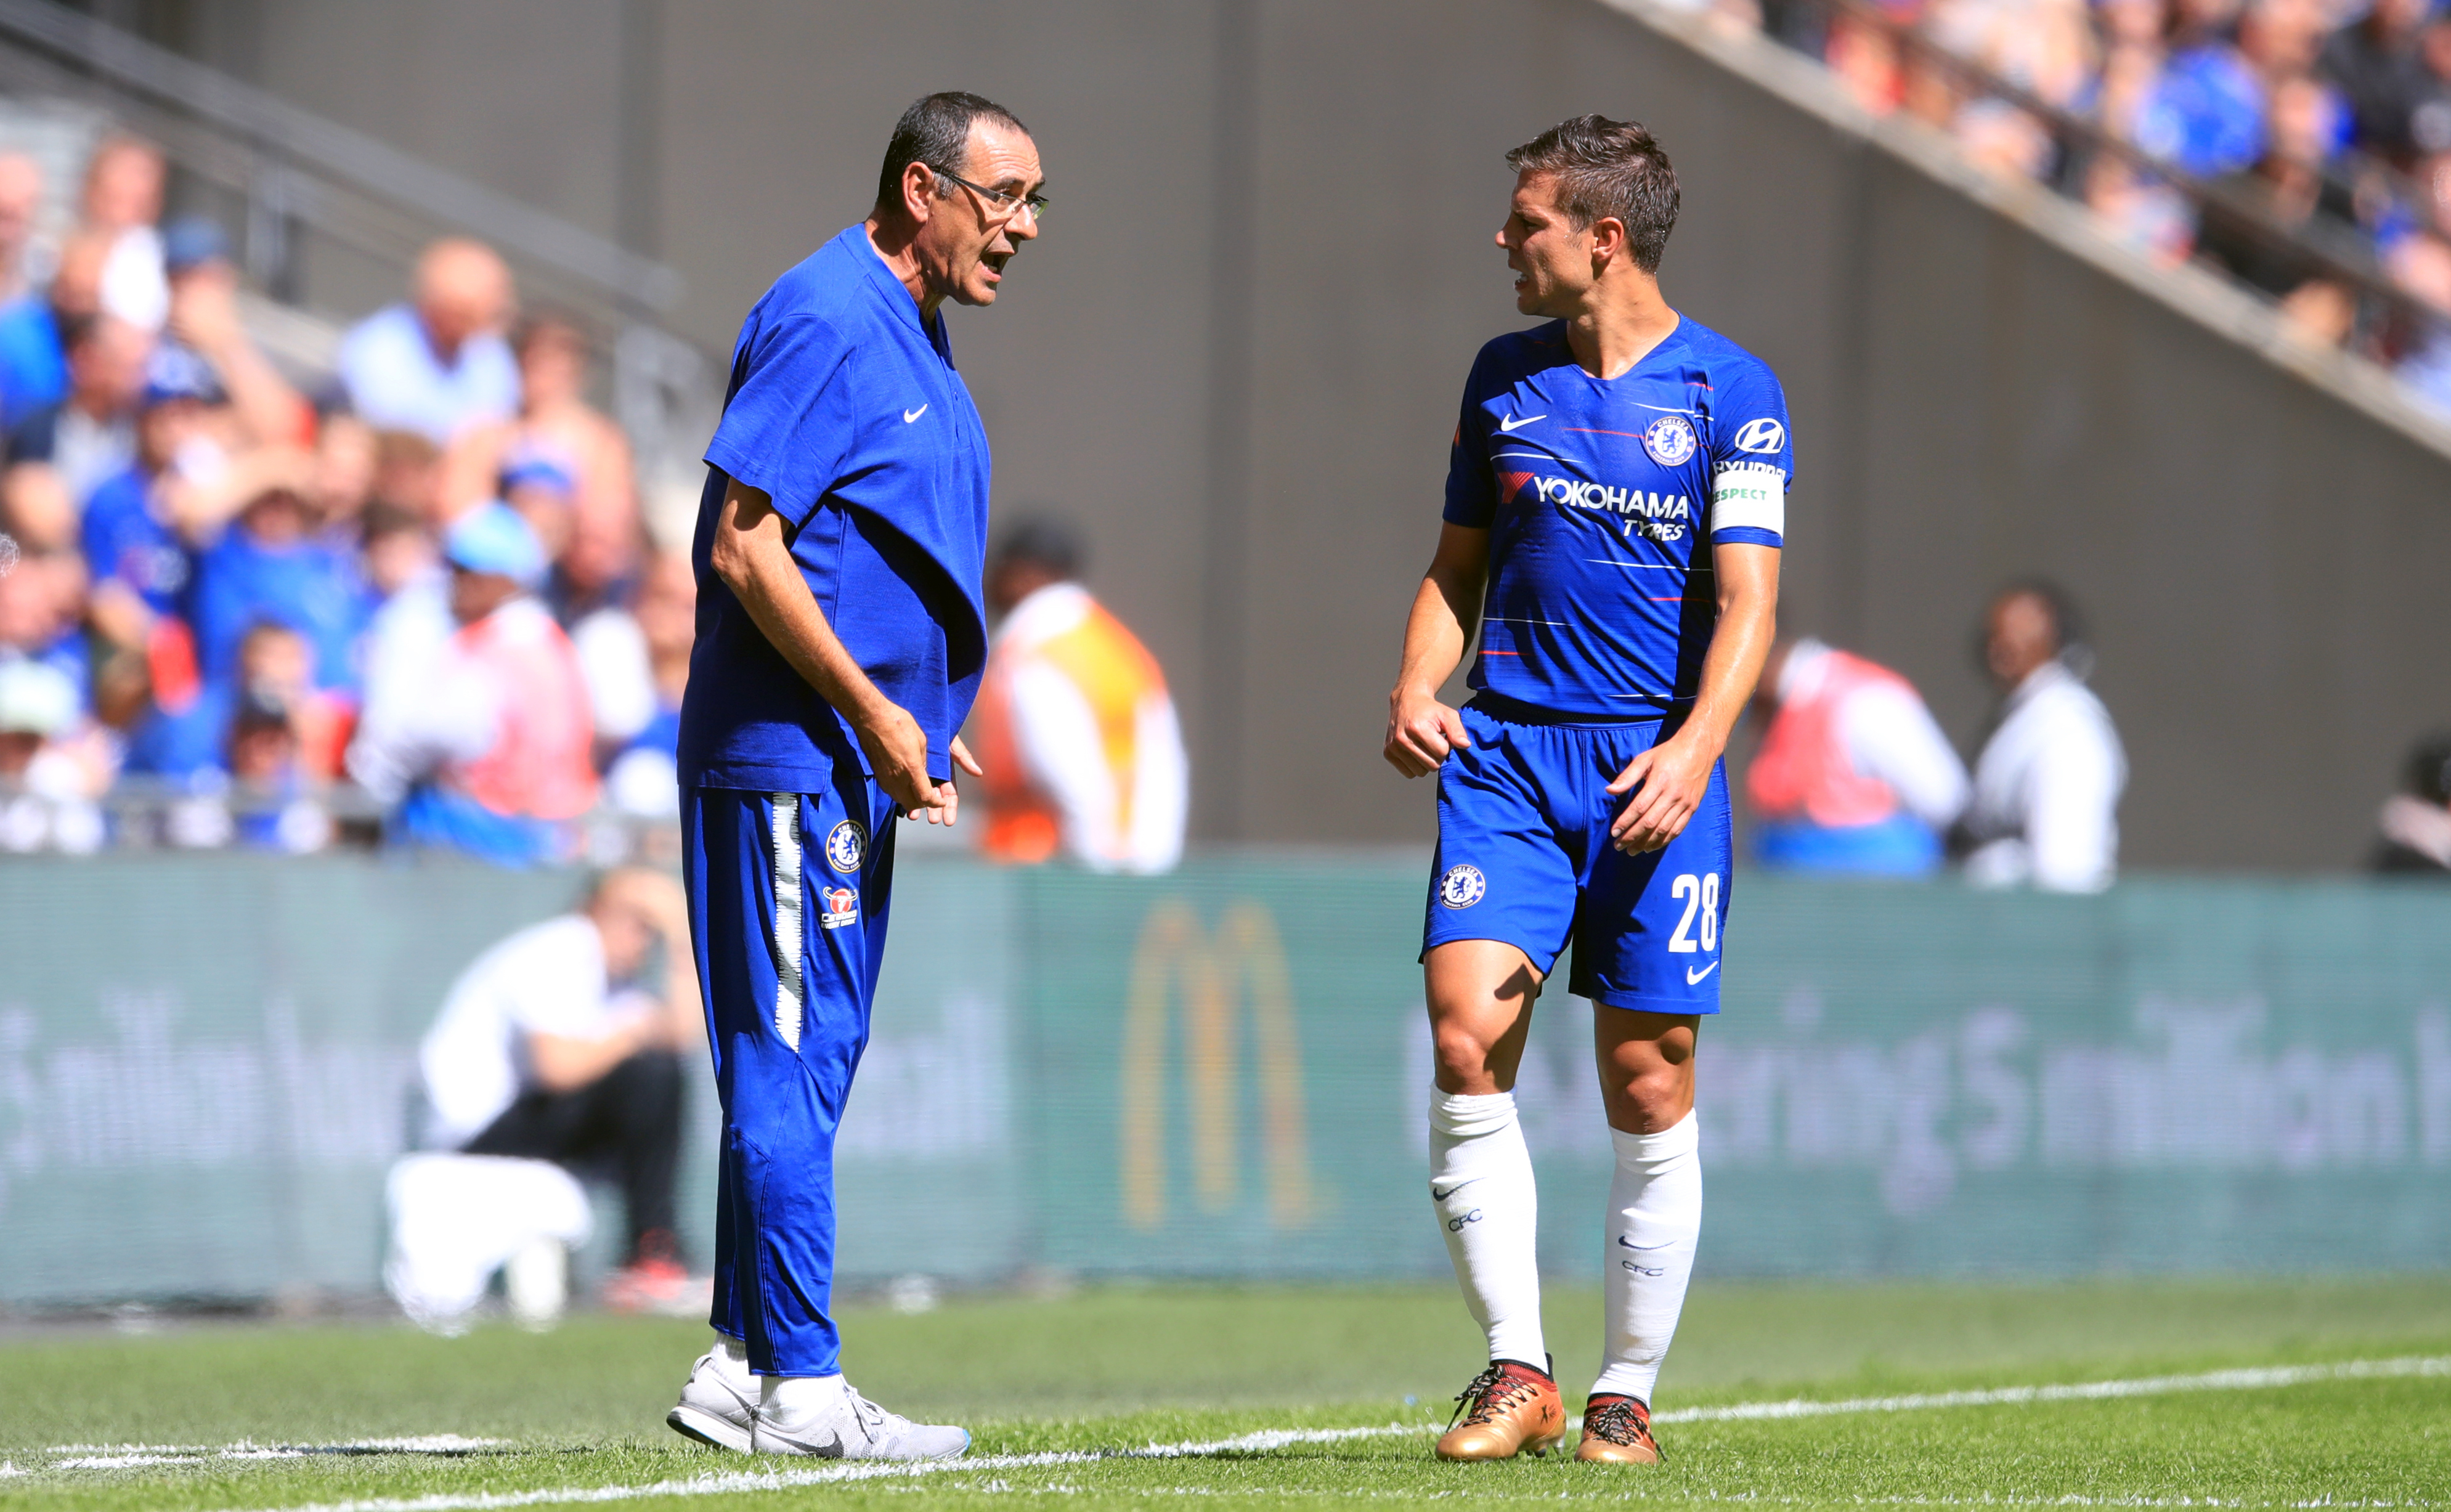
x,y
1006,204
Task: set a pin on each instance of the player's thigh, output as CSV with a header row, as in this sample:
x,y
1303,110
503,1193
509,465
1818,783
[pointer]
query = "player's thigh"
x,y
1647,933
1480,994
1501,904
1501,871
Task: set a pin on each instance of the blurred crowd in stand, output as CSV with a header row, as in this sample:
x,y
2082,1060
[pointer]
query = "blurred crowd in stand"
x,y
2328,119
414,599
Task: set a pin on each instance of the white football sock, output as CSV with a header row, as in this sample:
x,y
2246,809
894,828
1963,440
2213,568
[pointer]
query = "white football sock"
x,y
1481,1178
734,1350
1655,1215
788,1401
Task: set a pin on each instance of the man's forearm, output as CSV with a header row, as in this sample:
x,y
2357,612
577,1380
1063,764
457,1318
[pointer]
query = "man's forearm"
x,y
1740,645
1433,640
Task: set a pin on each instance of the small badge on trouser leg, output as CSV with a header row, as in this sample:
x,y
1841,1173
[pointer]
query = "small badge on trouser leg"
x,y
841,907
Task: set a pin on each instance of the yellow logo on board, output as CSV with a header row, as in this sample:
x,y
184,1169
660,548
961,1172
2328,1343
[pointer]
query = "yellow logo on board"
x,y
1185,978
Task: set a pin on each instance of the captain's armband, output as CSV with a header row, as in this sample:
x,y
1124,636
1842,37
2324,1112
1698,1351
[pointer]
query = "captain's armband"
x,y
1749,496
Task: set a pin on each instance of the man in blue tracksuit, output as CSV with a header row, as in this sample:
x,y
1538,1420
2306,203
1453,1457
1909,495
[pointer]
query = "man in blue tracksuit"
x,y
840,637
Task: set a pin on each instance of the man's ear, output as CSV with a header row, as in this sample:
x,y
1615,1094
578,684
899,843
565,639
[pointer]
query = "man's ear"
x,y
918,193
1608,239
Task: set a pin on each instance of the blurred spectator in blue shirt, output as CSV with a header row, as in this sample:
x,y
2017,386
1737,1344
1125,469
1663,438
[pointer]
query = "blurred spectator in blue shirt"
x,y
270,564
439,364
272,804
2205,112
143,529
91,434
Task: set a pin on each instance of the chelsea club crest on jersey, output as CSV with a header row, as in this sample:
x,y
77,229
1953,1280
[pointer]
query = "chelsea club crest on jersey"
x,y
1669,440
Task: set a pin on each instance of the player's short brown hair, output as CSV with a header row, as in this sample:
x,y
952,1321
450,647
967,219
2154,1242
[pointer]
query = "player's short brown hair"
x,y
1608,169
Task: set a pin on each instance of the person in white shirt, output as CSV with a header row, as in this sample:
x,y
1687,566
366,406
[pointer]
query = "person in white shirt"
x,y
437,364
1082,751
1852,775
548,1048
2045,806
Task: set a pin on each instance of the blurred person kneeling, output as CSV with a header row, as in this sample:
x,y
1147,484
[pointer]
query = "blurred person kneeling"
x,y
1074,724
1852,775
556,1045
486,745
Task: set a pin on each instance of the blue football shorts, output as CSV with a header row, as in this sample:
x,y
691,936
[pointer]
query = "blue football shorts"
x,y
1524,858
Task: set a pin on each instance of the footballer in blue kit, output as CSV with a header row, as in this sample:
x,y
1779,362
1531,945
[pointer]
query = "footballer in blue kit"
x,y
841,634
1614,512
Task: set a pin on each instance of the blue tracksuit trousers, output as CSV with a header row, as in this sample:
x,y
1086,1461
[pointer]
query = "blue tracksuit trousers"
x,y
787,895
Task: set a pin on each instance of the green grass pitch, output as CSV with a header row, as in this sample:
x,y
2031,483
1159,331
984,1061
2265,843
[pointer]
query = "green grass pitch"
x,y
576,1416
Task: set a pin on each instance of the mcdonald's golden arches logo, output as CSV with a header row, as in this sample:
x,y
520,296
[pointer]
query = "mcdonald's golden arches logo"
x,y
1210,979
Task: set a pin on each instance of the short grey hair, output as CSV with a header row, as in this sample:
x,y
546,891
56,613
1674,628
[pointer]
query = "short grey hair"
x,y
936,131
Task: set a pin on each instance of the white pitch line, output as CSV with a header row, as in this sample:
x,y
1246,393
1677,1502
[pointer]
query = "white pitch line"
x,y
737,1483
2259,1379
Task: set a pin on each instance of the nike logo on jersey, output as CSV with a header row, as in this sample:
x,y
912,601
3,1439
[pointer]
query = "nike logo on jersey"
x,y
1693,977
1510,425
910,414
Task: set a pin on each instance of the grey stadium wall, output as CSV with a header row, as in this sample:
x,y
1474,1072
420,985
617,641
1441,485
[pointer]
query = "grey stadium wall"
x,y
1235,357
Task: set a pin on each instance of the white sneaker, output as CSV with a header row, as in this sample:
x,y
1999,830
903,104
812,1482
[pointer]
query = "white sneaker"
x,y
718,1406
823,1417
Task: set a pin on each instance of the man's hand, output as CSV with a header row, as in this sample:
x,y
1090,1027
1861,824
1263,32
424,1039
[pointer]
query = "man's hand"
x,y
897,755
1420,732
948,805
1668,783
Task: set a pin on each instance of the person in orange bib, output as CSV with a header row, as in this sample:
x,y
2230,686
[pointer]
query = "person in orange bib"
x,y
1083,751
1852,775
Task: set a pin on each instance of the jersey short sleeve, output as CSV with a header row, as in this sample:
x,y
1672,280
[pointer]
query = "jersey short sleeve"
x,y
1753,460
1472,487
787,426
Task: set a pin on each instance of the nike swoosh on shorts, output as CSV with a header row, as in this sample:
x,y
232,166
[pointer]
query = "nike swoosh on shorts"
x,y
1691,976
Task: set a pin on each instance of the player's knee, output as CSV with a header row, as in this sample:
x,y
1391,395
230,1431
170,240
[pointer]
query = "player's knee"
x,y
1466,1061
1650,1100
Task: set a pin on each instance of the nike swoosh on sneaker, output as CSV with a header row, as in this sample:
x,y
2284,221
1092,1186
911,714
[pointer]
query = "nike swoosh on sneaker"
x,y
1511,425
910,414
1693,977
830,1450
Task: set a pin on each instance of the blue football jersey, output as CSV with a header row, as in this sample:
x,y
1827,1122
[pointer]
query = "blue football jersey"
x,y
1598,495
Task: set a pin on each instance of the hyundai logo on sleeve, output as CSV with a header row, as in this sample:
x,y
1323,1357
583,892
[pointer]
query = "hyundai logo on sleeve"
x,y
1761,435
